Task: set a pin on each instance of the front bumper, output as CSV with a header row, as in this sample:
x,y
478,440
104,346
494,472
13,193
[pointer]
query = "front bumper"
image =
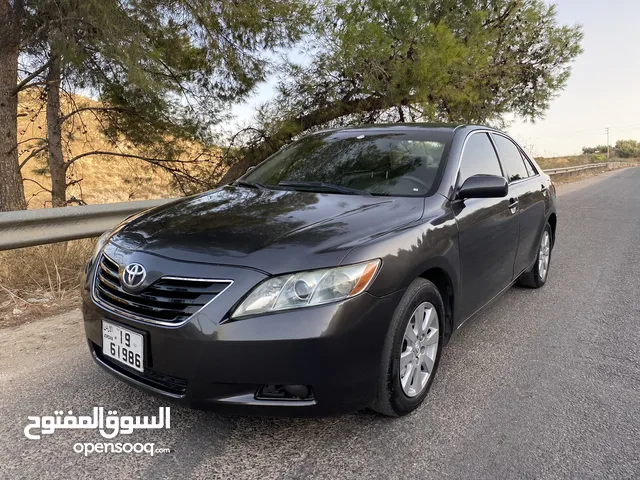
x,y
335,349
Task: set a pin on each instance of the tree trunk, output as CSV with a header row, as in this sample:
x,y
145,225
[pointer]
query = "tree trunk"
x,y
57,166
11,188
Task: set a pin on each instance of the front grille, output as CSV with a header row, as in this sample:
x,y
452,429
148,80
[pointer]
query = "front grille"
x,y
167,300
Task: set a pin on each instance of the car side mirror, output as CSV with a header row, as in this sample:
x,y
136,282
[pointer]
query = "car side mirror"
x,y
484,186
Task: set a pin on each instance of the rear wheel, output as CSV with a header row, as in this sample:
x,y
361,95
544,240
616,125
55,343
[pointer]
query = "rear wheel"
x,y
537,276
412,350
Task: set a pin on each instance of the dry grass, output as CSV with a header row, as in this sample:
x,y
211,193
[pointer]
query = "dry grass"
x,y
575,160
571,161
41,280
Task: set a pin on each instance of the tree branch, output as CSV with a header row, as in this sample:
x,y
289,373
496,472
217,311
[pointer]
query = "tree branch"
x,y
85,109
37,183
74,182
27,141
292,127
25,81
502,17
31,155
69,162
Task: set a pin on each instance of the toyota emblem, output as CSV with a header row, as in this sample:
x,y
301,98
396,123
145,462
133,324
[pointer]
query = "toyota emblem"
x,y
133,275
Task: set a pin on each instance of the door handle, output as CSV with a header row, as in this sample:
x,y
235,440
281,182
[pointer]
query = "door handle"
x,y
513,204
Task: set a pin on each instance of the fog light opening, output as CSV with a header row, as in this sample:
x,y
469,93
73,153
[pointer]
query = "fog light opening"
x,y
284,392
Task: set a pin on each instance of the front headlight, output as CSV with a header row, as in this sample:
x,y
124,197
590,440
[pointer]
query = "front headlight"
x,y
306,289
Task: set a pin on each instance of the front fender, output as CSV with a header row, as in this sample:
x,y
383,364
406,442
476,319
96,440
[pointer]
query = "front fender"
x,y
409,253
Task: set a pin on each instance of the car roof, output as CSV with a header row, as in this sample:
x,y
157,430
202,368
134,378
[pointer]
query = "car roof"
x,y
453,127
394,126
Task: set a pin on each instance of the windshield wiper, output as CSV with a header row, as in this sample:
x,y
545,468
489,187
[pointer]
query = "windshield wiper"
x,y
311,186
246,183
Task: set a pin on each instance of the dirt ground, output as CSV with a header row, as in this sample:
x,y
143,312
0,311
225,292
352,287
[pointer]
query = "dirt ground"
x,y
26,346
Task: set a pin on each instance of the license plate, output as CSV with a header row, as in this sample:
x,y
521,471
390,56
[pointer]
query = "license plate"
x,y
123,345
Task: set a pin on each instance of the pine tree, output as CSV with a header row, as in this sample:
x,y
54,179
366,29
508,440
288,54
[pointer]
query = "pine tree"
x,y
11,188
165,71
471,61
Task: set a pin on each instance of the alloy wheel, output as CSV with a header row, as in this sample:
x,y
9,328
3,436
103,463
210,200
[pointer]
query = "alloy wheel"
x,y
419,349
544,255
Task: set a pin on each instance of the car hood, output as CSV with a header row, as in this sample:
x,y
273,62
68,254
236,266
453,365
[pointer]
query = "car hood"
x,y
274,231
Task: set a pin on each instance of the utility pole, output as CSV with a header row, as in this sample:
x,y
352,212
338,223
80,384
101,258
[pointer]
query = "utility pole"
x,y
607,130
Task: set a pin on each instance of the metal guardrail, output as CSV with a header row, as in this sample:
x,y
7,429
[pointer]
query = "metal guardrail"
x,y
51,225
577,168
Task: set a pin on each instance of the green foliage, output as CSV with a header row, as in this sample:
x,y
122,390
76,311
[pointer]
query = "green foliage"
x,y
170,61
165,71
596,149
622,149
628,149
468,61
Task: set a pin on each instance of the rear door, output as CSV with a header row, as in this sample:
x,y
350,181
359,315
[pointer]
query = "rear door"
x,y
487,230
529,190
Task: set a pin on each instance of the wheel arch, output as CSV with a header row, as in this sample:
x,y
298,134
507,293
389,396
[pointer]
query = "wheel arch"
x,y
442,280
553,221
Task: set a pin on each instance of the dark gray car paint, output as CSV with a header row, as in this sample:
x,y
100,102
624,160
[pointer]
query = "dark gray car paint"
x,y
479,245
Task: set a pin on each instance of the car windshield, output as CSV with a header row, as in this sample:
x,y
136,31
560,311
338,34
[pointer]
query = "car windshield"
x,y
357,162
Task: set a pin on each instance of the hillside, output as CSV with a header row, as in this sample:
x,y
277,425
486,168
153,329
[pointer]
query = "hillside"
x,y
104,178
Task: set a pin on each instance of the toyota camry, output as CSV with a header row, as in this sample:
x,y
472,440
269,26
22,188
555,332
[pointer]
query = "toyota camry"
x,y
326,279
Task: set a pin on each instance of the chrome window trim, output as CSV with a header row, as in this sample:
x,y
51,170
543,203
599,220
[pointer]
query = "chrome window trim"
x,y
536,168
116,311
462,150
490,131
526,159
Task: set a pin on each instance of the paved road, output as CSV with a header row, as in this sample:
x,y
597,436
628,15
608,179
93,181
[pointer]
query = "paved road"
x,y
543,384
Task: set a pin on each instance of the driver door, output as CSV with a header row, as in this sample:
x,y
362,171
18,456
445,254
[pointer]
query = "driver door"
x,y
488,230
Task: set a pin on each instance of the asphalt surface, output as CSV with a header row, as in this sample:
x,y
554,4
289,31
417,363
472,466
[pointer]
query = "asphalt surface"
x,y
542,384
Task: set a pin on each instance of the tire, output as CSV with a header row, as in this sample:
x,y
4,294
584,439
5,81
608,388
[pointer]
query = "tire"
x,y
392,398
537,276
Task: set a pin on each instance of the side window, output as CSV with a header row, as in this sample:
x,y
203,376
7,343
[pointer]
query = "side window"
x,y
528,166
511,158
531,170
479,158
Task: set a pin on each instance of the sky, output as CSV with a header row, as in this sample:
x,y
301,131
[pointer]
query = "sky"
x,y
603,90
604,87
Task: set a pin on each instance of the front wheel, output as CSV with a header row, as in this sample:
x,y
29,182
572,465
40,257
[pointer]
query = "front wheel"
x,y
537,276
412,350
